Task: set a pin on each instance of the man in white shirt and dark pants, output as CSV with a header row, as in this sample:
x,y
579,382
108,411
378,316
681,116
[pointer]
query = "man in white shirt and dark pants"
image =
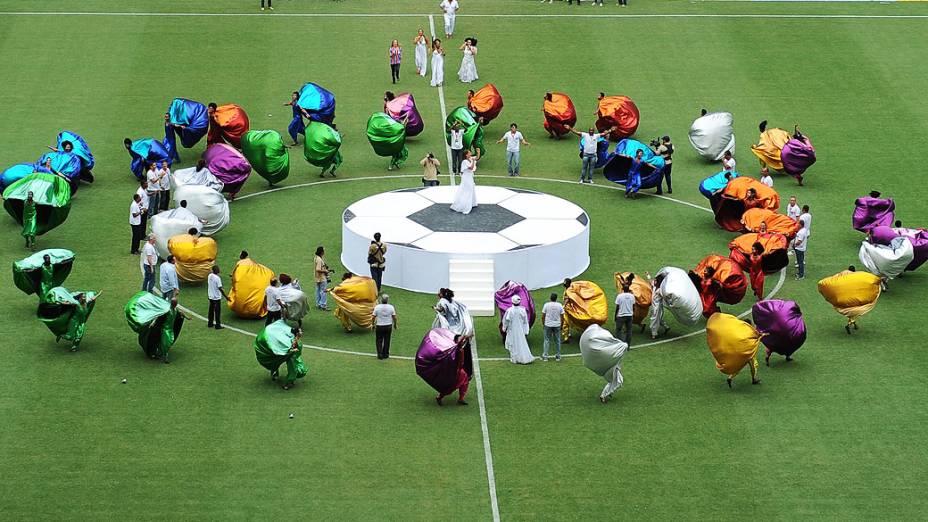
x,y
457,148
165,192
552,316
624,310
384,324
513,140
450,8
215,294
799,246
168,282
589,141
148,261
135,221
142,191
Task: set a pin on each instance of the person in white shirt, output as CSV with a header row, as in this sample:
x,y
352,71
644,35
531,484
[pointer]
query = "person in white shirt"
x,y
142,191
135,221
450,8
153,177
806,218
384,323
792,209
272,302
552,317
457,147
147,261
514,140
215,294
168,283
799,246
728,162
165,187
766,179
624,310
590,143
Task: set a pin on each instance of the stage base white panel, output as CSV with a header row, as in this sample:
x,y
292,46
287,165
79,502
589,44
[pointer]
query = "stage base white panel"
x,y
474,284
533,238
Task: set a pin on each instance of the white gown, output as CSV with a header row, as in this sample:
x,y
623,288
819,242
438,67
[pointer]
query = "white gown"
x,y
468,71
465,197
422,60
515,324
438,69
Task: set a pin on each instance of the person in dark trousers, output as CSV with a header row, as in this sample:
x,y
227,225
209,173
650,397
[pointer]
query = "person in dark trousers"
x,y
396,56
384,324
269,5
135,221
624,310
376,259
665,149
457,147
272,302
215,294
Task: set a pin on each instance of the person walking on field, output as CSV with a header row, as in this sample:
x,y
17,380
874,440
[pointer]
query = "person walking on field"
x,y
215,294
396,57
457,147
272,302
148,261
450,8
514,140
463,380
135,221
153,176
728,162
321,270
589,142
800,244
168,283
552,317
376,259
422,50
269,5
624,310
665,150
384,323
30,223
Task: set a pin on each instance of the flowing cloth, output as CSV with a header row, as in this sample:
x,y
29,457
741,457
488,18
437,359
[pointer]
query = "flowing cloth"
x,y
774,257
156,321
641,289
584,304
30,224
32,276
355,298
515,325
295,306
64,315
422,60
732,202
453,315
465,197
872,212
272,348
919,239
728,275
776,223
297,126
192,176
194,256
170,223
52,197
227,125
249,279
321,146
208,205
781,323
559,113
887,260
387,137
619,112
403,107
852,294
602,354
733,344
712,135
503,299
677,293
468,71
486,103
438,69
770,146
229,165
444,364
267,154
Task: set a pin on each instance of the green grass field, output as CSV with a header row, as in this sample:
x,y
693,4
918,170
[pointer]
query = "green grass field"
x,y
837,434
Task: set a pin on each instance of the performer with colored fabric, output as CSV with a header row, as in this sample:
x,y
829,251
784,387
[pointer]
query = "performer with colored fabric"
x,y
277,344
602,354
851,293
782,326
584,304
66,314
29,221
40,272
444,362
756,263
733,344
296,126
634,176
157,322
354,298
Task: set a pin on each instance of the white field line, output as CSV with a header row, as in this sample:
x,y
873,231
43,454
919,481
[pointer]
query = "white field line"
x,y
485,429
497,15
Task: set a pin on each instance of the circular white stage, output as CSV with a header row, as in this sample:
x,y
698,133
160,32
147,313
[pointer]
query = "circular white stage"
x,y
533,238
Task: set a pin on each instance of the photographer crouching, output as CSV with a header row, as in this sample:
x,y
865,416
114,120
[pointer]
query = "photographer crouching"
x,y
663,147
430,170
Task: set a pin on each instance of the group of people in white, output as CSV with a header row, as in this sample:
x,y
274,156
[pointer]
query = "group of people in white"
x,y
425,47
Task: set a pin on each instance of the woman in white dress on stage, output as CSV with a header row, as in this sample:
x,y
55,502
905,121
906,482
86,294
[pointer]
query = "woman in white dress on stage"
x,y
438,63
465,197
468,71
422,53
515,326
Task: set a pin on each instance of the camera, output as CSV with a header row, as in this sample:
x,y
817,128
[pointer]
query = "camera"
x,y
655,143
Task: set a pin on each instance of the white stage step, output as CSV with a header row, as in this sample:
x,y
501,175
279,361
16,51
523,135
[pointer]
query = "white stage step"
x,y
473,283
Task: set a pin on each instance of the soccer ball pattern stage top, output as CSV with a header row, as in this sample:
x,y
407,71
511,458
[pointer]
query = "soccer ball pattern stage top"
x,y
533,238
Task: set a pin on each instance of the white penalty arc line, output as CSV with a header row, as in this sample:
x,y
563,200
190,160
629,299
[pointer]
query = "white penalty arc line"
x,y
444,112
269,16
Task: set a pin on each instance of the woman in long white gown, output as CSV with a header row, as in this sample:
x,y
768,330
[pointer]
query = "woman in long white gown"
x,y
422,53
468,71
465,197
452,315
438,63
515,326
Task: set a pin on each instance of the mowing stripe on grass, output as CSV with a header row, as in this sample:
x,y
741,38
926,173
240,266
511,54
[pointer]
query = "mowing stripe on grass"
x,y
444,112
497,15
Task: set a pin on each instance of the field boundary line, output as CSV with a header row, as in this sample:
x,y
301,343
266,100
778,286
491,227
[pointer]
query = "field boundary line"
x,y
485,429
497,15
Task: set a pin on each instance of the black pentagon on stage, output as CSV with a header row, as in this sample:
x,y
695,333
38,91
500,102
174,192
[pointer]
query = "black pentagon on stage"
x,y
483,218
